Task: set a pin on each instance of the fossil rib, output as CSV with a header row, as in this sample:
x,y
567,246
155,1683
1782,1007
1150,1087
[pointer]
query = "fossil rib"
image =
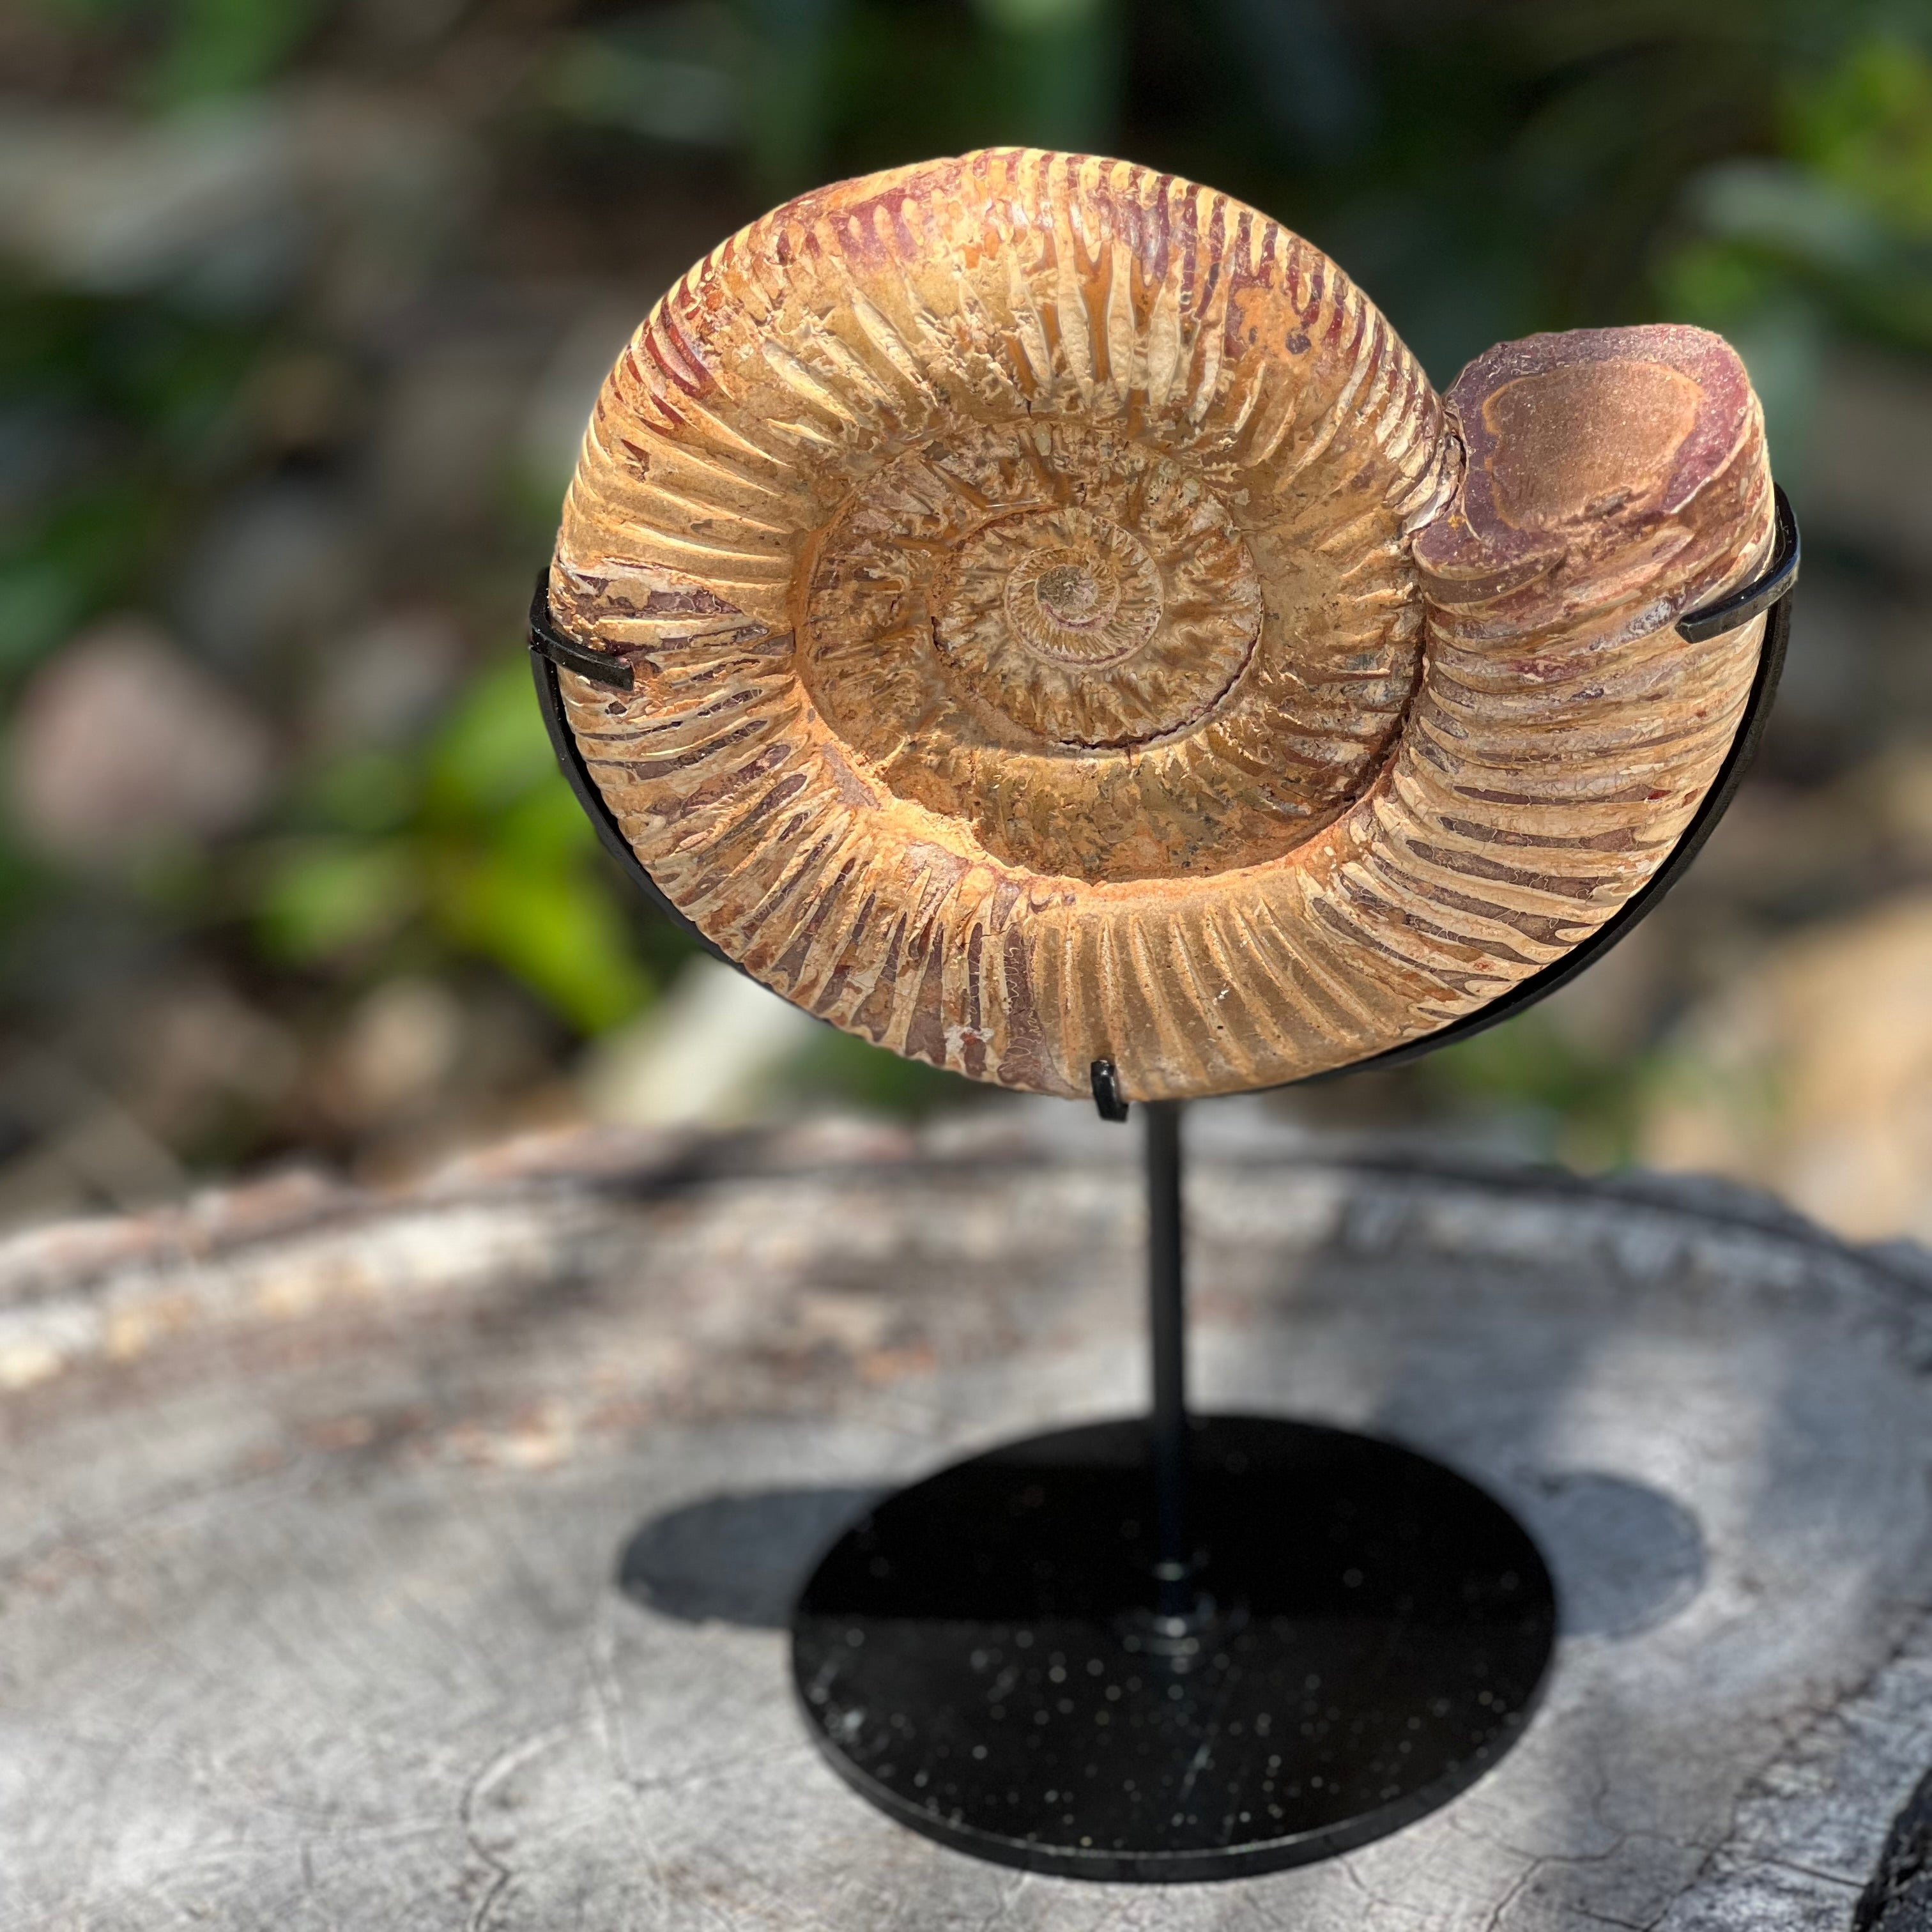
x,y
1066,624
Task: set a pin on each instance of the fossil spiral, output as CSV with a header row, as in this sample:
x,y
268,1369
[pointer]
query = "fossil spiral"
x,y
1065,624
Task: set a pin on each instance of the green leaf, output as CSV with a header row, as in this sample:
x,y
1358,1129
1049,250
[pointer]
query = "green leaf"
x,y
494,749
326,897
365,792
555,930
225,46
40,603
1867,126
548,828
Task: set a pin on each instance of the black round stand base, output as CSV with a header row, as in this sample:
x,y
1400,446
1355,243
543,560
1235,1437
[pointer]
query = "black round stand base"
x,y
980,1658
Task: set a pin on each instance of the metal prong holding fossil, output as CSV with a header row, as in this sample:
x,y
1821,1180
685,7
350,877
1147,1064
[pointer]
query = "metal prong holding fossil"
x,y
1064,624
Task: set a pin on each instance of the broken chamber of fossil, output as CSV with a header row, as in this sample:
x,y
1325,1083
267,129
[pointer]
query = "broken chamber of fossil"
x,y
1066,624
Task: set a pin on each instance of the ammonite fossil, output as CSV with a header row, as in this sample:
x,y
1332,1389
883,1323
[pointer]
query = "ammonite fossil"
x,y
1066,624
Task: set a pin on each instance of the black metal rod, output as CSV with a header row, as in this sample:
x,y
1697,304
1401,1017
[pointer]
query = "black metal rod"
x,y
1167,1335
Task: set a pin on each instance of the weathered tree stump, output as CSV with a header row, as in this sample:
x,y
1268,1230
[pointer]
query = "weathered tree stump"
x,y
421,1561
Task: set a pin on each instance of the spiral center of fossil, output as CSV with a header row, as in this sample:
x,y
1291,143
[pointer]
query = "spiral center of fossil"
x,y
1069,592
1074,591
1057,633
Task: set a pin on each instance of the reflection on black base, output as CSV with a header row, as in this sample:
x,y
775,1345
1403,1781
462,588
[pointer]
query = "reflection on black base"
x,y
977,1656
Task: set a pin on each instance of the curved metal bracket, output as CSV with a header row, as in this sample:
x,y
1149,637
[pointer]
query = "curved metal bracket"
x,y
545,638
1106,1084
544,663
1740,607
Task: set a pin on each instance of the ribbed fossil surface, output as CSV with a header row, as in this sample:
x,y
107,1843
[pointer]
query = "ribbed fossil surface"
x,y
1066,624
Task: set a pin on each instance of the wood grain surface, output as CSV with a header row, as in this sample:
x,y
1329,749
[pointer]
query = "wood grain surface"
x,y
1067,625
418,1562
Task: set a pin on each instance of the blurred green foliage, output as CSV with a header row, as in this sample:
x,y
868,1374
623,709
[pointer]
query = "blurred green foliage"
x,y
1830,233
467,844
146,393
1579,1103
1763,167
222,47
189,50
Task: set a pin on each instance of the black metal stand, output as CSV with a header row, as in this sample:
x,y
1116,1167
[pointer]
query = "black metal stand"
x,y
1173,1648
1167,1339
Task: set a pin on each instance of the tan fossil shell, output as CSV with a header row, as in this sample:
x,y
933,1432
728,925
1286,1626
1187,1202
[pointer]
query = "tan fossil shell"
x,y
1067,625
